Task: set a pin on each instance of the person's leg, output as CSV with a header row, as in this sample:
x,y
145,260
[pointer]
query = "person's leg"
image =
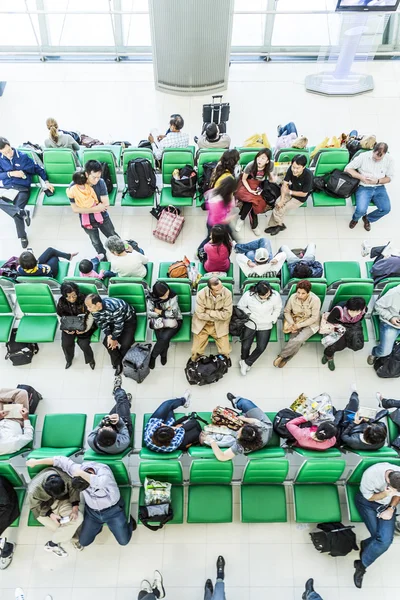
x,y
84,345
288,129
52,253
249,248
353,403
279,213
382,203
313,596
253,219
244,211
246,342
244,405
117,523
309,253
94,236
291,258
68,345
207,593
122,407
127,337
367,512
262,339
223,345
163,337
107,228
7,550
200,341
338,346
376,253
166,409
20,203
66,532
381,531
387,336
143,595
91,527
219,590
363,198
295,342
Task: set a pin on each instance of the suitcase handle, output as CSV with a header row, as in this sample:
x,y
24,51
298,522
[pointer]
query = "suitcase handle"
x,y
220,97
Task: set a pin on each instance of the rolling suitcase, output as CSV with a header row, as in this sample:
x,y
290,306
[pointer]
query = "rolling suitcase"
x,y
216,112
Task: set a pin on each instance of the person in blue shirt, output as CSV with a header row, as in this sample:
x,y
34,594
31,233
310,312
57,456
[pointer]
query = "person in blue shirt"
x,y
161,434
303,267
16,171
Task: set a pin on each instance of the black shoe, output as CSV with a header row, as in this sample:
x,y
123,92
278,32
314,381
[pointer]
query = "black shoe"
x,y
309,588
231,399
152,362
209,586
133,522
359,573
278,229
68,364
220,567
270,229
24,242
118,370
92,365
27,217
164,360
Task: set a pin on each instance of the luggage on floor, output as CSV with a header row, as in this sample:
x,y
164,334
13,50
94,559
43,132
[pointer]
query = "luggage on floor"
x,y
206,369
216,112
389,366
141,178
136,361
20,353
169,225
158,509
33,396
335,538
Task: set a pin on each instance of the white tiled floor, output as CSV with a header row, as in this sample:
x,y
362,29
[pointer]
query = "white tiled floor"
x,y
119,102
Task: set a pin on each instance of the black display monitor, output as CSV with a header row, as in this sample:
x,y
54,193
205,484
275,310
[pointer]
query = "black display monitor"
x,y
367,5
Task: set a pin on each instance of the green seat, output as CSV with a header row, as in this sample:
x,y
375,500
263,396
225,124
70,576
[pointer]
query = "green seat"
x,y
340,270
229,275
126,495
145,453
8,472
243,280
385,452
329,453
320,290
39,321
184,293
246,155
327,162
375,318
287,155
171,160
263,497
6,317
132,154
205,155
286,280
116,149
133,294
104,155
352,486
60,165
170,471
88,285
105,458
62,435
275,286
8,457
316,497
148,277
210,492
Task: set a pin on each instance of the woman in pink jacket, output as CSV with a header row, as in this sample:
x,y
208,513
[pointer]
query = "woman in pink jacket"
x,y
218,251
319,437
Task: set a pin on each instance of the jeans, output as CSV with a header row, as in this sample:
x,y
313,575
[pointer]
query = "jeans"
x,y
381,531
286,129
13,209
122,408
378,195
114,517
164,337
68,345
50,257
262,339
219,591
291,258
165,411
250,248
125,341
353,404
387,335
107,229
313,596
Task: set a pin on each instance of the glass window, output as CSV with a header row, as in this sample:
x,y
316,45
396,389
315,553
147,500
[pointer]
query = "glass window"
x,y
136,27
305,30
248,30
79,30
18,29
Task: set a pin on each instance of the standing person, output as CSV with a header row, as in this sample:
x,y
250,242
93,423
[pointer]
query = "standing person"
x,y
218,251
263,305
71,304
162,303
175,138
103,502
117,319
16,171
161,434
93,176
376,502
250,189
374,169
227,165
14,433
211,318
301,320
304,267
220,203
296,187
219,592
387,307
9,511
152,591
44,266
256,259
59,139
213,138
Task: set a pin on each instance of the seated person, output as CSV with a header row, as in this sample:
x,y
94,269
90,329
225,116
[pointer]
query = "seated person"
x,y
213,138
163,303
305,266
84,196
218,251
386,260
15,433
227,165
288,138
87,268
175,138
315,437
256,259
387,307
9,511
161,434
254,435
125,260
388,403
58,139
360,433
44,266
114,432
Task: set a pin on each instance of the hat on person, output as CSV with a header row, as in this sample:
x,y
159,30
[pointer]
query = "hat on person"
x,y
261,255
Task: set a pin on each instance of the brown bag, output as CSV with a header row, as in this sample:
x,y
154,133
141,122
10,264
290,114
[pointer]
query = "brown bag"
x,y
178,270
228,417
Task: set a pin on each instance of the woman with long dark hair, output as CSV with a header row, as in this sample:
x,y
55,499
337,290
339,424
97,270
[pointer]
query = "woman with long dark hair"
x,y
227,165
166,318
218,250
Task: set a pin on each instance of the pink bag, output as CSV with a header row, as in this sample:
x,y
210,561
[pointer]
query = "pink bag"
x,y
169,225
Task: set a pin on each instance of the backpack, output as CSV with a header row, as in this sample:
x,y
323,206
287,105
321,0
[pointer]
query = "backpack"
x,y
206,369
335,538
33,396
73,134
238,321
89,142
271,192
279,425
178,270
185,186
157,510
389,366
205,180
227,417
341,184
34,147
135,363
141,178
20,353
106,176
9,268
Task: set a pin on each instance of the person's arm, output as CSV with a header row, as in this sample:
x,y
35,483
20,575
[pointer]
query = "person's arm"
x,y
387,514
4,174
277,307
29,166
118,322
27,429
222,456
383,307
353,165
226,312
315,314
201,311
334,316
104,202
245,177
294,429
243,303
143,259
157,149
380,496
287,312
33,462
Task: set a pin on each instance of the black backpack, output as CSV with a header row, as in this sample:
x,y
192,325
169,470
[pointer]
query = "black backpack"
x,y
205,180
207,369
341,184
185,187
33,396
73,134
141,178
279,425
389,366
271,192
335,538
20,353
106,176
238,321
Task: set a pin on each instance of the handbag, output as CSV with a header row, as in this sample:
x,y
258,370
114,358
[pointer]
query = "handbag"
x,y
162,323
326,327
72,323
169,225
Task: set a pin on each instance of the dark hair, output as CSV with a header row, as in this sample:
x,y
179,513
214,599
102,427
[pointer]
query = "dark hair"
x,y
177,121
27,260
159,289
250,437
300,159
212,131
80,484
301,270
268,167
219,235
226,188
85,266
94,298
356,303
375,433
106,437
4,142
394,480
92,166
261,288
227,162
54,486
326,431
304,284
380,148
213,281
68,287
79,177
163,436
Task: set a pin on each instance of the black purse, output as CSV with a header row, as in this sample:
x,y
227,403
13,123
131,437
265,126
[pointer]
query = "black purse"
x,y
73,323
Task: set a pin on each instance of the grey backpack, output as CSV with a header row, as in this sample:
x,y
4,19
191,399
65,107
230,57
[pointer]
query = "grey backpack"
x,y
136,362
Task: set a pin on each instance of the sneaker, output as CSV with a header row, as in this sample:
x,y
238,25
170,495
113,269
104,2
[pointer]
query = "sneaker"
x,y
187,394
56,549
19,594
24,243
48,597
77,545
6,561
117,382
243,367
371,360
365,248
158,584
233,244
129,396
232,399
239,225
256,231
379,397
331,364
145,586
27,217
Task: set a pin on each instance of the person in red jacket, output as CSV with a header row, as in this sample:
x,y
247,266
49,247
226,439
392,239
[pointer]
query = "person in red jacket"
x,y
315,437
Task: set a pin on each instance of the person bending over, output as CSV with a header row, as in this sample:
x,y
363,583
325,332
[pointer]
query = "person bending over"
x,y
315,437
161,434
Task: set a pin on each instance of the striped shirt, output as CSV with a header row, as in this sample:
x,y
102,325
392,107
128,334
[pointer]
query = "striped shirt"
x,y
111,319
151,427
173,139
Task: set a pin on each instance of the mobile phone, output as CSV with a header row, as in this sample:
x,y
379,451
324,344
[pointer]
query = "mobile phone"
x,y
64,520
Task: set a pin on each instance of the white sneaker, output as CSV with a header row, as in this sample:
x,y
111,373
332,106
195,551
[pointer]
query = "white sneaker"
x,y
77,545
6,561
145,586
19,594
243,367
239,225
256,231
233,244
56,549
187,394
158,584
365,248
379,397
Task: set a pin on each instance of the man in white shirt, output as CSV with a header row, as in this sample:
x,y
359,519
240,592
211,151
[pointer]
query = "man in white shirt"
x,y
387,307
174,139
373,169
14,433
124,259
256,259
376,502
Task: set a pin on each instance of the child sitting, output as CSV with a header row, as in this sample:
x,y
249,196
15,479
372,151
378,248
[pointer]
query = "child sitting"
x,y
85,197
89,268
